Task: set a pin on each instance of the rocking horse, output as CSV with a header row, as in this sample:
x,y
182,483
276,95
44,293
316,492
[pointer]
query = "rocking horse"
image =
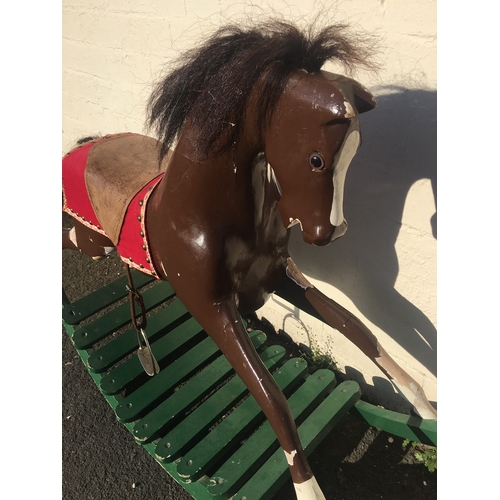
x,y
254,138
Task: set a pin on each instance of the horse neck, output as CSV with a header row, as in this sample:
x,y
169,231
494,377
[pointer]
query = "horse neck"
x,y
190,183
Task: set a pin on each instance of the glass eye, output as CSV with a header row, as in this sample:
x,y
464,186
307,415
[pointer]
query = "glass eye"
x,y
316,161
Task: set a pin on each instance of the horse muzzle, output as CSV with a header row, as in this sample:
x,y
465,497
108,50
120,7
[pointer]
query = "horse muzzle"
x,y
324,236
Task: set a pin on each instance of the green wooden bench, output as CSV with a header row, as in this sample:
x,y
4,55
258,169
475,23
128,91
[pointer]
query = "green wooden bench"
x,y
195,417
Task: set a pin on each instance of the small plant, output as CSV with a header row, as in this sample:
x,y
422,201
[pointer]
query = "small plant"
x,y
423,453
321,360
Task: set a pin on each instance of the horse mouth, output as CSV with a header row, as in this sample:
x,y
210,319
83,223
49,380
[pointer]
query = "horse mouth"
x,y
294,222
319,237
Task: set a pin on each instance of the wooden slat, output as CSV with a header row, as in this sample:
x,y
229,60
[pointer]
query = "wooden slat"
x,y
158,411
157,388
255,450
225,437
197,424
118,317
96,301
109,354
405,426
166,414
129,371
273,474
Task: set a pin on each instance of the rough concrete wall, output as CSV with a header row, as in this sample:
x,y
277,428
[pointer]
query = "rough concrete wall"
x,y
384,268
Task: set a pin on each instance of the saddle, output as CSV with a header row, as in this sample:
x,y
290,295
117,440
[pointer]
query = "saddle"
x,y
102,178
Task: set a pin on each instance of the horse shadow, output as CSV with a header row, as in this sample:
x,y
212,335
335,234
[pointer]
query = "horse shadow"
x,y
399,149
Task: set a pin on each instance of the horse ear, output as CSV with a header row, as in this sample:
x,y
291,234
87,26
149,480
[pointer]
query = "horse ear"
x,y
363,100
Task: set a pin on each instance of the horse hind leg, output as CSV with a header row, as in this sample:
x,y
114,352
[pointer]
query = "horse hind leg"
x,y
85,240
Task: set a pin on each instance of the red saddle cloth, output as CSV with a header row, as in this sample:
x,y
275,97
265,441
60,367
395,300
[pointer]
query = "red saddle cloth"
x,y
131,239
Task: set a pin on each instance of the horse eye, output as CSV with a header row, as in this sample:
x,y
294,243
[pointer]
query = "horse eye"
x,y
316,161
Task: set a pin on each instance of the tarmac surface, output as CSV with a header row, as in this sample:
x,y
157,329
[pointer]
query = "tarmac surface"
x,y
101,460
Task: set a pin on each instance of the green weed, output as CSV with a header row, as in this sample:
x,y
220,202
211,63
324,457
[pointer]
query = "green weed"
x,y
423,453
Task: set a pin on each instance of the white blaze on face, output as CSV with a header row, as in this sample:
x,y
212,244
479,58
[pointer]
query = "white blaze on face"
x,y
342,162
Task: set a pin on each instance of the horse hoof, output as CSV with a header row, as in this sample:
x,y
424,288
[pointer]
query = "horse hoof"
x,y
309,490
426,412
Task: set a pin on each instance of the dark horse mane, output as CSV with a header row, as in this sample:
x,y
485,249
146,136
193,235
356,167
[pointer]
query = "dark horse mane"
x,y
212,82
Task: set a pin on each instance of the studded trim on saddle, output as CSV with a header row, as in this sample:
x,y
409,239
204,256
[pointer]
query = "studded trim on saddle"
x,y
133,245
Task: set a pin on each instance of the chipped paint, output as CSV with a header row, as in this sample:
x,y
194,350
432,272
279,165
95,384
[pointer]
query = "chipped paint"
x,y
272,179
293,272
294,222
72,236
163,269
289,456
410,389
219,480
349,110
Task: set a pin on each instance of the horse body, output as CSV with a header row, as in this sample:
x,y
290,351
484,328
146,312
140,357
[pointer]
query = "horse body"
x,y
209,231
218,224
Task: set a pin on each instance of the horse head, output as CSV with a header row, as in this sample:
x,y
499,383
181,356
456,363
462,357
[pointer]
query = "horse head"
x,y
313,136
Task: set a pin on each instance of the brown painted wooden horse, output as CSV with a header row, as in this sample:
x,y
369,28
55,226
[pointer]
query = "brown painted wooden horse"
x,y
255,138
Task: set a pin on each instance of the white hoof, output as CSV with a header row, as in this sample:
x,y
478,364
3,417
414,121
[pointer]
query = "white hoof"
x,y
309,490
426,412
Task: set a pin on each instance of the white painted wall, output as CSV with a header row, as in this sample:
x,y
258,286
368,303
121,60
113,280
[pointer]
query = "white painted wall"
x,y
384,268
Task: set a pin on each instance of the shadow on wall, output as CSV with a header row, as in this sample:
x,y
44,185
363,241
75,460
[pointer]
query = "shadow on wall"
x,y
399,148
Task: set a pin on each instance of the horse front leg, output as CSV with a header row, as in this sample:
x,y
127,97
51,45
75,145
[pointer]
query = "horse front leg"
x,y
295,288
223,323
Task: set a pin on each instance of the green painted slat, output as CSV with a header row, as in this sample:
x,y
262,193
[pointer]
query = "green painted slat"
x,y
225,437
405,426
156,388
96,301
112,321
328,414
127,372
196,424
170,411
191,435
109,354
272,475
258,447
